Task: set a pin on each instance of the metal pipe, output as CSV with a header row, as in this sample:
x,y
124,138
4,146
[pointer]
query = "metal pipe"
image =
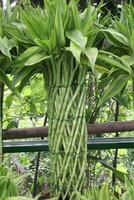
x,y
108,127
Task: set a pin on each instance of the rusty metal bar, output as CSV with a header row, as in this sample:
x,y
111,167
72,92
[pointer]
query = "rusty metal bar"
x,y
98,128
19,133
111,127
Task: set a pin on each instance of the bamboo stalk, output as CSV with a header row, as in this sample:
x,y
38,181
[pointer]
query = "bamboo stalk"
x,y
65,137
57,125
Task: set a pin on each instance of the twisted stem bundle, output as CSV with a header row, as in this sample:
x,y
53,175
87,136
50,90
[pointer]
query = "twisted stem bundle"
x,y
67,128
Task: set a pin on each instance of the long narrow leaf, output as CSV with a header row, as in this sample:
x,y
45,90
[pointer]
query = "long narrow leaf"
x,y
37,58
120,175
114,88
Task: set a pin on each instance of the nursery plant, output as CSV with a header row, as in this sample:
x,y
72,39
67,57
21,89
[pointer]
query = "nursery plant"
x,y
61,41
120,36
104,193
11,184
7,185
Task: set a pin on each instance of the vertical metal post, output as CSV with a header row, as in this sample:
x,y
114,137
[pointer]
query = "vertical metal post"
x,y
116,151
37,164
1,119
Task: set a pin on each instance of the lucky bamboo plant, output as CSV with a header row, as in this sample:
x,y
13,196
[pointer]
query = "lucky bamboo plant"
x,y
120,38
60,42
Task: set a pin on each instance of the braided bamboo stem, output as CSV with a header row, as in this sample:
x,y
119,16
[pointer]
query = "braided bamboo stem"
x,y
67,131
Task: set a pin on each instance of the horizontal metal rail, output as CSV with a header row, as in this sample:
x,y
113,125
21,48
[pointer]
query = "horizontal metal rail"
x,y
97,143
98,128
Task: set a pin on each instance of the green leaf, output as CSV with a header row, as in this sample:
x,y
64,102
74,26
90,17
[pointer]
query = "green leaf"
x,y
110,60
117,36
4,47
104,193
45,44
123,100
91,54
132,41
129,59
77,37
122,28
119,174
31,24
8,10
36,58
75,50
130,188
19,62
12,124
114,61
101,69
59,28
4,78
27,77
114,88
80,197
21,74
75,16
19,180
15,32
8,101
30,51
